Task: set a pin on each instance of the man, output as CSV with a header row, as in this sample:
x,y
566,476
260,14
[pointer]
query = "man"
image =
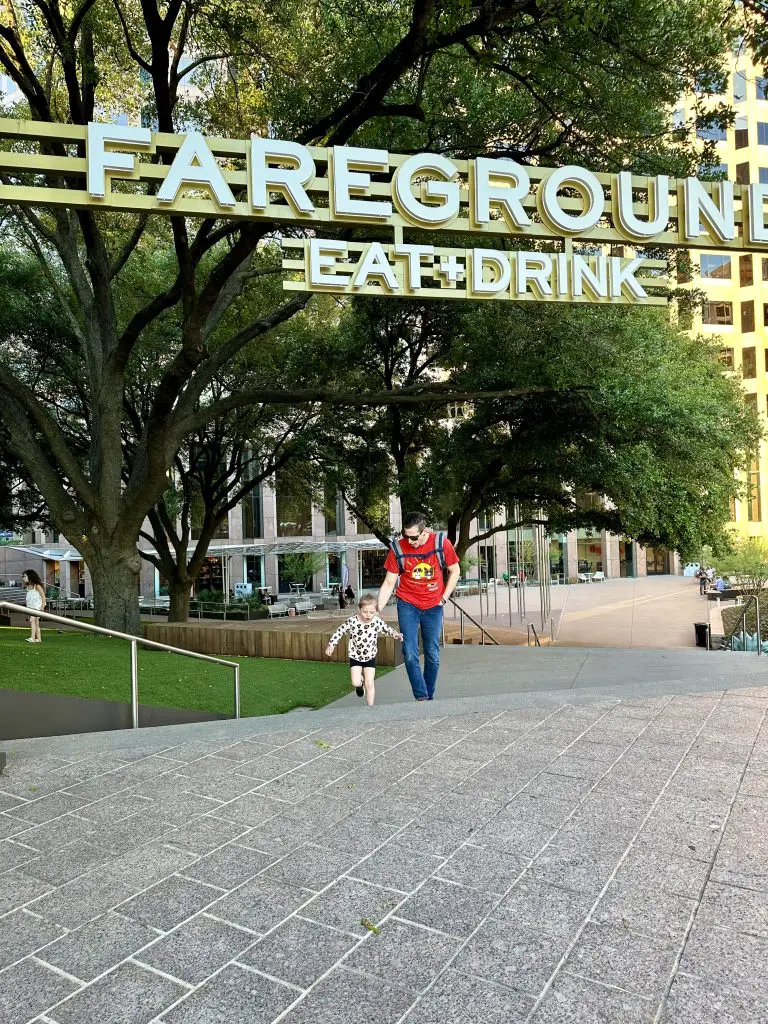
x,y
421,596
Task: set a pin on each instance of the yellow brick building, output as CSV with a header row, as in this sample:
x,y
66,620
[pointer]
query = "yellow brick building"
x,y
736,285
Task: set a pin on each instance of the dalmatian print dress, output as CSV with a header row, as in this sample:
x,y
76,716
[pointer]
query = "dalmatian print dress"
x,y
363,637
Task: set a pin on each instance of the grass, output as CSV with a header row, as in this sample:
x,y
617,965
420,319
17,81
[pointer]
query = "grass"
x,y
98,667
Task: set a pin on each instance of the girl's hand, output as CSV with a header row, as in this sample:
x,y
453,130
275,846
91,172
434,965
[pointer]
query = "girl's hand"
x,y
329,650
400,636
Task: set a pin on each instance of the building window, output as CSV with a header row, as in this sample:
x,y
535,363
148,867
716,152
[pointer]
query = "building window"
x,y
741,133
484,521
333,510
739,86
252,508
761,88
711,172
712,132
745,271
742,174
751,402
754,510
725,358
762,175
762,133
715,268
748,317
220,533
718,313
294,508
749,363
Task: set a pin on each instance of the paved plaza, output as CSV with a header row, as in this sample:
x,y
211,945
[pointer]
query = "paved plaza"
x,y
504,859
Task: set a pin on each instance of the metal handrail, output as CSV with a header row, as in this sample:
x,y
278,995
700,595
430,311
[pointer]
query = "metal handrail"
x,y
134,642
743,623
483,630
532,628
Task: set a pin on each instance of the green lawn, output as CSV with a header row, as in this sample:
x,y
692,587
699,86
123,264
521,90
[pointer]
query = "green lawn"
x,y
93,666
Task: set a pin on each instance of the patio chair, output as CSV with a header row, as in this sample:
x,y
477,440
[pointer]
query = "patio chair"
x,y
278,608
599,577
305,604
583,578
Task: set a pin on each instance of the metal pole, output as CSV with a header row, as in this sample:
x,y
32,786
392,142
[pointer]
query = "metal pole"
x,y
134,685
237,690
479,580
509,576
461,621
757,624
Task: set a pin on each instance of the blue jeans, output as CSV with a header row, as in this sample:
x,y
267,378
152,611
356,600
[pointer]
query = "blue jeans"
x,y
430,620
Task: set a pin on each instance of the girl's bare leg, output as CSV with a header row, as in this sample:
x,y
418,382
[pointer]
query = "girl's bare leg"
x,y
356,672
369,674
35,628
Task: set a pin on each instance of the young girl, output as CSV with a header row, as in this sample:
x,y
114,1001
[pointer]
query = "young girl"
x,y
363,630
35,600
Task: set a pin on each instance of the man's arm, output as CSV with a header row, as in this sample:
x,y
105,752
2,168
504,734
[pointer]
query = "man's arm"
x,y
385,591
454,571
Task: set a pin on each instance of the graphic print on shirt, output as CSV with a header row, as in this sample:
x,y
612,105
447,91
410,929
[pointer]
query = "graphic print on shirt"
x,y
423,571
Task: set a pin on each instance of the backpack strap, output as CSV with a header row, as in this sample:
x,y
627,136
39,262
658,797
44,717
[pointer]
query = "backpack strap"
x,y
439,542
397,551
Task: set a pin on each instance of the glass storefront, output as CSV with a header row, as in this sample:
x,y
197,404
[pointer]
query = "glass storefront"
x,y
372,570
254,570
590,551
657,561
626,558
558,559
333,568
211,575
523,561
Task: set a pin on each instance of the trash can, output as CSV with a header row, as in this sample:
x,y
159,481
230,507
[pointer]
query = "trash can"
x,y
702,634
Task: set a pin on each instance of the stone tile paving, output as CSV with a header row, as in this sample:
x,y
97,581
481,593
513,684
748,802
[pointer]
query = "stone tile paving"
x,y
601,863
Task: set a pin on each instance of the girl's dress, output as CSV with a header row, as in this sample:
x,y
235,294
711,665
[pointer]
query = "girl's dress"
x,y
34,599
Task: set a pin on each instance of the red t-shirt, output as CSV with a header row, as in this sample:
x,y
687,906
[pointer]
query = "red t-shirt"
x,y
421,582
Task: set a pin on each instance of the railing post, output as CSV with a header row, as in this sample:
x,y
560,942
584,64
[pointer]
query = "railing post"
x,y
757,624
237,691
461,621
134,685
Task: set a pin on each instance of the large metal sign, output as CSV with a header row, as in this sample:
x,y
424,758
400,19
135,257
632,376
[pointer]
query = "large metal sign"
x,y
549,234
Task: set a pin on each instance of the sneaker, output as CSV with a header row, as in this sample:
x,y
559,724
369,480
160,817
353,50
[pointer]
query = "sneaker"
x,y
359,690
30,640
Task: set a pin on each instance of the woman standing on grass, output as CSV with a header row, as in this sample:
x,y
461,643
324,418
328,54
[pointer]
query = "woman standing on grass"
x,y
35,601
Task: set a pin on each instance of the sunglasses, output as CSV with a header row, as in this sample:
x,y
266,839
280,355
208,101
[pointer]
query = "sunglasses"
x,y
412,536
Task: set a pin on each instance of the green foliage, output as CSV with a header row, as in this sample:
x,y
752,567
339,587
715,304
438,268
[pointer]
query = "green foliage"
x,y
300,567
612,401
129,334
747,565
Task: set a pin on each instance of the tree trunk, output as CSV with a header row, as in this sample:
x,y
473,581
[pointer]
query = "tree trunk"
x,y
179,593
115,576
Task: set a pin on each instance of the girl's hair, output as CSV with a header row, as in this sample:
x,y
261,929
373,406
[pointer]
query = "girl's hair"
x,y
33,578
366,599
